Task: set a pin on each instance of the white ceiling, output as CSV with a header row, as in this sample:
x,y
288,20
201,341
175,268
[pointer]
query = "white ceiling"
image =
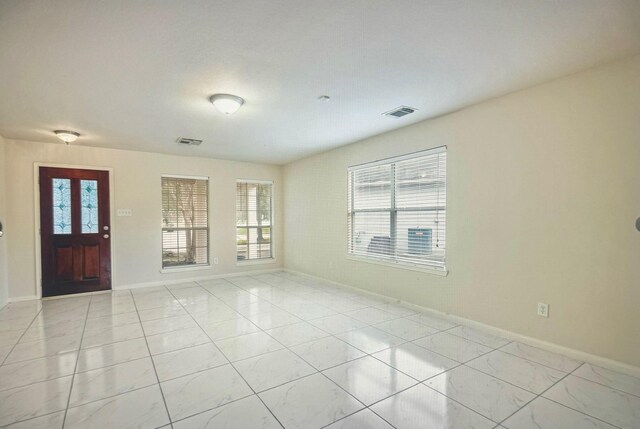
x,y
138,74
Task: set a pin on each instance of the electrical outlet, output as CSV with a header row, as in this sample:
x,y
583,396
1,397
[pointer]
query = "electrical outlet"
x,y
543,309
215,261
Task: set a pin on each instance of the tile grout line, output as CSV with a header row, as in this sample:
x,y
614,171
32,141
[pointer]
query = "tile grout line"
x,y
436,375
22,335
73,376
559,403
447,330
234,368
329,379
577,411
461,364
75,372
302,296
603,385
68,375
465,365
288,348
500,349
419,382
214,408
535,397
86,348
93,401
153,364
18,342
540,395
262,330
68,336
33,418
366,355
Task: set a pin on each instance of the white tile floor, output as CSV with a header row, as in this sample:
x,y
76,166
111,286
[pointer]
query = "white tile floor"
x,y
279,350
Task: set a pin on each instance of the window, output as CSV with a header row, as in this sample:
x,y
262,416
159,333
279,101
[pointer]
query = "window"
x,y
89,201
61,206
397,209
254,226
185,227
62,216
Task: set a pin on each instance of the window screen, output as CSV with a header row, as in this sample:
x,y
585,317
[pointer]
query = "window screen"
x,y
185,226
397,209
254,224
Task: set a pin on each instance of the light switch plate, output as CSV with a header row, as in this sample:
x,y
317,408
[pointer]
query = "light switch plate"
x,y
125,212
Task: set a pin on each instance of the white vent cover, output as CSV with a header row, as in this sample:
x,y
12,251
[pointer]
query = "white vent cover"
x,y
399,112
189,142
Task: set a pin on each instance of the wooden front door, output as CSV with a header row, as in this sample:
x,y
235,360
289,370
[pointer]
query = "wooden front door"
x,y
75,230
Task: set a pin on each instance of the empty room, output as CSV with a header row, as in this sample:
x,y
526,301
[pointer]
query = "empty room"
x,y
295,214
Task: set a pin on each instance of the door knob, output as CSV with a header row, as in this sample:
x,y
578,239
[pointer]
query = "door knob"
x,y
105,236
106,228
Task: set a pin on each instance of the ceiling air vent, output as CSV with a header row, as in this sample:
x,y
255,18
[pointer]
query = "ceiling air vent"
x,y
399,112
189,142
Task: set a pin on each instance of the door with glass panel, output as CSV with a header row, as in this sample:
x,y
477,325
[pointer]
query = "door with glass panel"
x,y
75,231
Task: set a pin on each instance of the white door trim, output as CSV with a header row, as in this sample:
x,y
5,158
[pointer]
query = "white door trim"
x,y
36,205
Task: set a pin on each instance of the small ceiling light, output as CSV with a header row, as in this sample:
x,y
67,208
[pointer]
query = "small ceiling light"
x,y
324,98
67,136
226,103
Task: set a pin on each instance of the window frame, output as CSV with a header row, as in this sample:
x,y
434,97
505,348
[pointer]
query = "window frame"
x,y
393,215
187,267
257,261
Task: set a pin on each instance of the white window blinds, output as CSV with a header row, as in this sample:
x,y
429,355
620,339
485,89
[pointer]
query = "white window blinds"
x,y
397,209
185,224
254,223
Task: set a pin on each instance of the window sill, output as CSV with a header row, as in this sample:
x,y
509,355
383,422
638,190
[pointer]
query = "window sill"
x,y
256,261
187,268
400,265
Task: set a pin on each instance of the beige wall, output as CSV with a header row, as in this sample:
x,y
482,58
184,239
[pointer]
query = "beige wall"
x,y
137,239
4,286
542,197
543,192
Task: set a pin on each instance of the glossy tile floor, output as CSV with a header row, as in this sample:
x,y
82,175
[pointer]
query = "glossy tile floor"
x,y
279,350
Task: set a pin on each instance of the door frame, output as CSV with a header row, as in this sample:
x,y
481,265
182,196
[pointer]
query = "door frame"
x,y
36,205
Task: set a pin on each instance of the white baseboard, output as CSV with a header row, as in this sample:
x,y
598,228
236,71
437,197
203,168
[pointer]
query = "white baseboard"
x,y
195,279
156,283
22,298
514,336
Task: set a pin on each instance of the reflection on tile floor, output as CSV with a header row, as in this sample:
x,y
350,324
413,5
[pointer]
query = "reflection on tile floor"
x,y
280,350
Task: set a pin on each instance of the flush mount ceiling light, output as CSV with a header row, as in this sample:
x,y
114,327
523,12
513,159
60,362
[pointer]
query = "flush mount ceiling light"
x,y
67,136
324,98
226,103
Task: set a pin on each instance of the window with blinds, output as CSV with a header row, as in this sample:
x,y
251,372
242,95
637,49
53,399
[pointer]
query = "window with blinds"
x,y
397,209
185,223
254,224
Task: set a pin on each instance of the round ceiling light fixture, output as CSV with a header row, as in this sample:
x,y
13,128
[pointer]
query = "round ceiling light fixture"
x,y
226,103
67,136
324,98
